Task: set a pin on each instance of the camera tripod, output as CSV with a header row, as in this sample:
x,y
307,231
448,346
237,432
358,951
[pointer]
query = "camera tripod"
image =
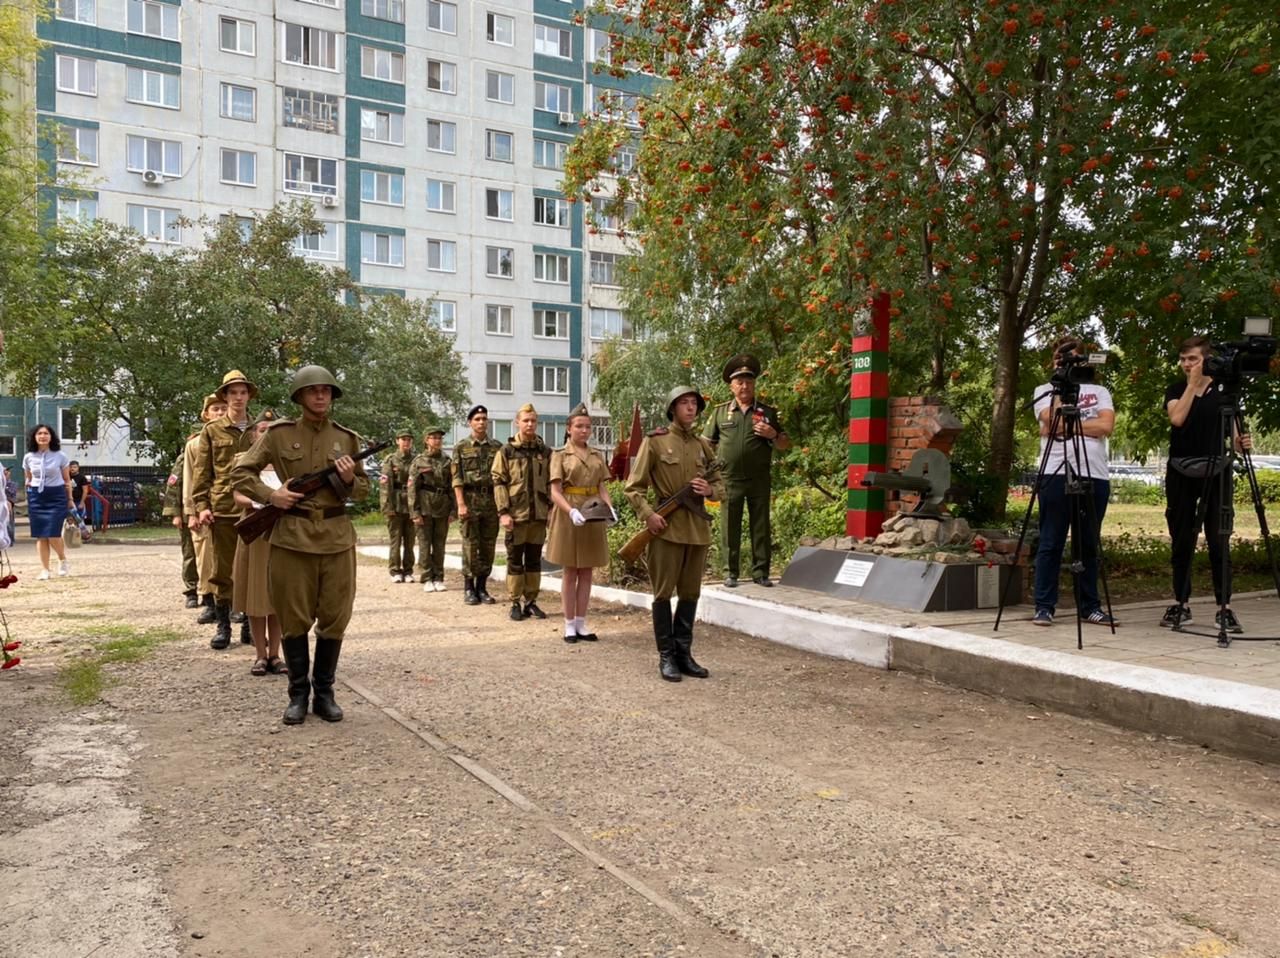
x,y
1079,492
1218,467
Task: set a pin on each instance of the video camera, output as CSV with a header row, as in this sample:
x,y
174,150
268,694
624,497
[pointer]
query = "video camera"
x,y
1243,358
1072,369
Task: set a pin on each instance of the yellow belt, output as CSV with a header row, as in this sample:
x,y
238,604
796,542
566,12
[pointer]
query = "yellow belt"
x,y
581,490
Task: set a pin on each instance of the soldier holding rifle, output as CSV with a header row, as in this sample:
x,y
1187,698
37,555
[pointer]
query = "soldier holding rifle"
x,y
671,462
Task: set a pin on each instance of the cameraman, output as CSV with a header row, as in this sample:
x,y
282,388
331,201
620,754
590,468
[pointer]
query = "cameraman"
x,y
1057,511
1195,439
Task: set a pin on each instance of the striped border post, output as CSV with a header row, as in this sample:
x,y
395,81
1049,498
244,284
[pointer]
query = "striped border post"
x,y
868,420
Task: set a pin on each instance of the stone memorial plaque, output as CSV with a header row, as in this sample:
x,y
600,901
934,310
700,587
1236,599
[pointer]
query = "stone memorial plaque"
x,y
988,587
853,572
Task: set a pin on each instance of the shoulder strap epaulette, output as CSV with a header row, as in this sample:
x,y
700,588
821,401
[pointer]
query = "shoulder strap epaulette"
x,y
660,431
350,432
284,422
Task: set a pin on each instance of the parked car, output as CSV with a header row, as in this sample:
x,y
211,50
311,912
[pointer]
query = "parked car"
x,y
1147,475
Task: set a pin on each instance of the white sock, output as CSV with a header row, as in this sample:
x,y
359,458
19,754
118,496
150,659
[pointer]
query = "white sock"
x,y
570,627
580,623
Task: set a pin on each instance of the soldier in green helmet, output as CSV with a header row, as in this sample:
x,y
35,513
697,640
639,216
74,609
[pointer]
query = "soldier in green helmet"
x,y
311,571
477,510
396,506
431,505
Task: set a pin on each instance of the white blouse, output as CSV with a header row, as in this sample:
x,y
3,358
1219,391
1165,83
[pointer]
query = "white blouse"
x,y
45,468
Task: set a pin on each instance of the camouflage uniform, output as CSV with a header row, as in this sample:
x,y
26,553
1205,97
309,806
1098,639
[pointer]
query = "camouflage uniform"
x,y
396,506
431,500
471,472
173,508
521,472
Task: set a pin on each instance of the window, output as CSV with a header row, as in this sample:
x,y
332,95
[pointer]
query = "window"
x,y
624,159
382,126
500,261
551,267
499,87
621,106
154,223
240,167
442,136
8,445
599,46
147,153
310,46
440,196
392,10
499,146
153,19
310,174
549,211
497,377
81,11
554,97
238,102
442,256
497,204
602,436
497,320
81,209
551,323
551,380
378,187
237,36
308,110
77,144
321,245
381,249
442,76
442,17
323,3
244,225
607,217
379,64
152,87
607,323
77,75
606,268
76,426
444,315
500,29
552,41
549,154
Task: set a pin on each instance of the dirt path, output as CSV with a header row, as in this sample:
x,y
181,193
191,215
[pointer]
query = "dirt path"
x,y
562,801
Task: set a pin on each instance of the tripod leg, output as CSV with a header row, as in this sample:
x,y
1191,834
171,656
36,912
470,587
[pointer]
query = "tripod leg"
x,y
1026,520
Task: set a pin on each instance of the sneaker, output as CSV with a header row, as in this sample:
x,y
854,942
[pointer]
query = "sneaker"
x,y
396,578
1042,617
1098,617
438,585
44,574
1175,615
407,578
64,567
1226,619
426,587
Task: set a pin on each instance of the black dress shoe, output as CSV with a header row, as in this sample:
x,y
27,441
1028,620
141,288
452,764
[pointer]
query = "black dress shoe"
x,y
731,582
531,609
487,599
571,638
587,637
516,614
763,581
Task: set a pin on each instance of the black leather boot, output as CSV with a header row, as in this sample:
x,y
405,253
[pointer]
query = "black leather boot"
x,y
482,590
238,617
322,674
192,602
246,635
682,638
296,658
469,591
222,638
662,635
208,614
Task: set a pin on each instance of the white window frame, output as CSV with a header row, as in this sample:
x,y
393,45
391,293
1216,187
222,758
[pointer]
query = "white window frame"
x,y
496,25
313,108
559,316
227,100
313,51
552,41
443,315
551,211
222,167
499,319
499,201
394,249
169,232
491,141
372,122
599,46
77,11
623,160
601,263
560,380
391,10
82,69
242,28
494,373
446,76
442,130
444,189
497,259
324,3
505,87
552,268
541,145
169,86
170,155
383,187
310,187
377,63
321,249
78,145
165,15
625,329
445,15
82,209
445,255
563,97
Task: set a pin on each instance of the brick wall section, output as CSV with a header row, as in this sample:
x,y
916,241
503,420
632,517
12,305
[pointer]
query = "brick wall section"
x,y
917,422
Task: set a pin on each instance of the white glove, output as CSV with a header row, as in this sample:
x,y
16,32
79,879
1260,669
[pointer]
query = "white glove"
x,y
577,518
614,520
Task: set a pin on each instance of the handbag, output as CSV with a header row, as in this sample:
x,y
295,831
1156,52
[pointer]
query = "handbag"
x,y
71,534
1200,467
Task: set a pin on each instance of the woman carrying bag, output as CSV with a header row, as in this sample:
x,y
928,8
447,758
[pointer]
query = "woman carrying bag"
x,y
48,476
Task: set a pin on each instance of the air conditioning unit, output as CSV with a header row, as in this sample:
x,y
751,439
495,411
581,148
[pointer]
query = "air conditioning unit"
x,y
152,178
566,119
329,202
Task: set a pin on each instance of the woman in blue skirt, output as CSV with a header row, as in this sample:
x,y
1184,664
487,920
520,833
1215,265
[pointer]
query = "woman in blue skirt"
x,y
49,491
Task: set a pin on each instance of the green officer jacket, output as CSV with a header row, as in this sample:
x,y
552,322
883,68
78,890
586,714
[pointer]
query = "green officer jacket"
x,y
521,472
394,493
472,470
745,456
431,486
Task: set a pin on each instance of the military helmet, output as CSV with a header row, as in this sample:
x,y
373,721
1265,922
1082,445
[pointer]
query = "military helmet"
x,y
594,509
679,391
313,376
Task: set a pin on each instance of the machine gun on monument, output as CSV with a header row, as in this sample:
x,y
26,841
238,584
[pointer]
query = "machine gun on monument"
x,y
928,475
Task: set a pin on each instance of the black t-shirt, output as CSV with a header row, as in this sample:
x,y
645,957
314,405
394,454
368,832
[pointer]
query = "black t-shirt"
x,y
1199,433
79,480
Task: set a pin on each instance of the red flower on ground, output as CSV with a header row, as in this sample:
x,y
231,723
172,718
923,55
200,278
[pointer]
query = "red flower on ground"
x,y
10,663
12,646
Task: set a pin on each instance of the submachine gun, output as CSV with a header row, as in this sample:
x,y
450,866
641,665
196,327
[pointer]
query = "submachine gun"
x,y
260,521
928,475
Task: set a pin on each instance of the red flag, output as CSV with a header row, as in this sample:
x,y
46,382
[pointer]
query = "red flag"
x,y
637,434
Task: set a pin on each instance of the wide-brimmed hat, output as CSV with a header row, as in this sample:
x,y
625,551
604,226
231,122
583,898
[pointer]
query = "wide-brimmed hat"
x,y
743,364
209,400
230,379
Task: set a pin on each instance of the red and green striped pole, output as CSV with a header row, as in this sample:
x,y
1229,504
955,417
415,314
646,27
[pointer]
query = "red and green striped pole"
x,y
868,420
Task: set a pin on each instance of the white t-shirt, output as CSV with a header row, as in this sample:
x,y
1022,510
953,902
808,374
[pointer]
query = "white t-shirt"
x,y
45,468
1093,400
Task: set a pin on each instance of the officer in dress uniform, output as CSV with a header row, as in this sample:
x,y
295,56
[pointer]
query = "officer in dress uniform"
x,y
311,570
430,506
477,511
745,432
394,493
201,537
521,472
668,460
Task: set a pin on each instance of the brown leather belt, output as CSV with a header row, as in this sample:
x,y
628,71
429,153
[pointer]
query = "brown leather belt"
x,y
328,512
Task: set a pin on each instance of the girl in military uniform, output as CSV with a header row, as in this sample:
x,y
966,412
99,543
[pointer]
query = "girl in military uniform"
x,y
249,577
578,474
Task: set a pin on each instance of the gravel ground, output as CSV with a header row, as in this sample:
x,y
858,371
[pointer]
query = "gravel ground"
x,y
789,806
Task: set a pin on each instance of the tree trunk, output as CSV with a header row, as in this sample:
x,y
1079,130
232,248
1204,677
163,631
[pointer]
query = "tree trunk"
x,y
1004,399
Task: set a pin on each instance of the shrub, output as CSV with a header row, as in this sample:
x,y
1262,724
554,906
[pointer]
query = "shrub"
x,y
1268,487
1136,492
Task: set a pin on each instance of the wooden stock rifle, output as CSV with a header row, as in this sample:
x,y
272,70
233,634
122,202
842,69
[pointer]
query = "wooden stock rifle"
x,y
259,522
685,498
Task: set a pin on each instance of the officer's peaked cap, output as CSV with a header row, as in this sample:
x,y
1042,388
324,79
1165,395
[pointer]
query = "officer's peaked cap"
x,y
743,364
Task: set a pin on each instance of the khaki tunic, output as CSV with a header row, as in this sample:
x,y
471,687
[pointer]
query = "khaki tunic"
x,y
216,449
667,460
586,546
201,537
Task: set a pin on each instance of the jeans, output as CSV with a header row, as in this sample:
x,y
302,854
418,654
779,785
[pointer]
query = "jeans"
x,y
1057,515
1184,496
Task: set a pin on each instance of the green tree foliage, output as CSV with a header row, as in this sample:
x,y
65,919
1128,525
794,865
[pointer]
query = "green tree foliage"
x,y
999,169
149,334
